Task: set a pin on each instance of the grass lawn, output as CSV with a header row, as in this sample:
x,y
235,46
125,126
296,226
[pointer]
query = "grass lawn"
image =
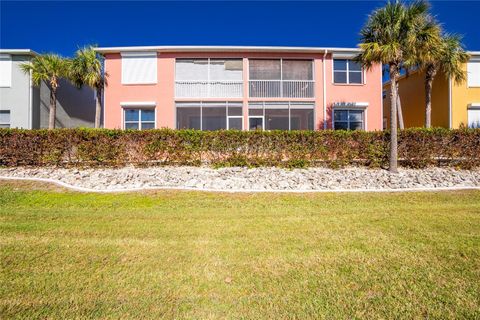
x,y
200,255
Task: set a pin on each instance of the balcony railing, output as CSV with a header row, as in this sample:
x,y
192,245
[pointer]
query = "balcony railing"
x,y
209,89
281,88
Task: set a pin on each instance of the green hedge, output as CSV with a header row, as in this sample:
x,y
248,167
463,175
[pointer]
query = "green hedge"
x,y
101,147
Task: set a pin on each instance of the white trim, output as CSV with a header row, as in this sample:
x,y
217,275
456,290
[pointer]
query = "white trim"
x,y
30,100
18,51
474,105
450,123
352,105
138,104
225,49
324,66
381,100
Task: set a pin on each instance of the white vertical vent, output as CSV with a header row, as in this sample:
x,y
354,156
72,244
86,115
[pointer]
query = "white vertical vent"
x,y
139,67
5,70
473,71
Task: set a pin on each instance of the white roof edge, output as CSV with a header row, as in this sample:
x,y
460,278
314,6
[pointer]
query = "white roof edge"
x,y
19,51
474,53
224,49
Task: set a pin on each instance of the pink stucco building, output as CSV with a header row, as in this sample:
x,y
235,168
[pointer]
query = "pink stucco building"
x,y
245,88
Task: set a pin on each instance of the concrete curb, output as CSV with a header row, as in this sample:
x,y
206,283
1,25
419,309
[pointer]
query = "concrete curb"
x,y
82,189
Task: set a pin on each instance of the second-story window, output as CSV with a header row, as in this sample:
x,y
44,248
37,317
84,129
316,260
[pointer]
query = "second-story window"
x,y
139,67
5,70
209,78
276,78
347,72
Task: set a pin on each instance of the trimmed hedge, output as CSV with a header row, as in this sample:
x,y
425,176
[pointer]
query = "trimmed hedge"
x,y
101,147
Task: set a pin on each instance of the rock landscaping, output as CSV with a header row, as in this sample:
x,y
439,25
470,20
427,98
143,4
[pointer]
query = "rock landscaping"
x,y
255,179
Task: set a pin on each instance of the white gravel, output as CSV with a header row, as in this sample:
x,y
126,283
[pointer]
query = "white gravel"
x,y
257,179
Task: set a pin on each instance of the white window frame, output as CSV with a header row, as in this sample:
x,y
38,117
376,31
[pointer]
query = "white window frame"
x,y
7,61
472,107
257,117
139,108
362,72
202,103
146,54
476,62
9,124
364,121
290,105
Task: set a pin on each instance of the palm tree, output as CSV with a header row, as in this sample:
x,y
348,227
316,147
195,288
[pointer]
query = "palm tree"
x,y
444,54
87,69
48,68
389,37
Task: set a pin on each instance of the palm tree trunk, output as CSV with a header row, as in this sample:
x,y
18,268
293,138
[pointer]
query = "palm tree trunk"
x,y
393,163
53,108
429,76
98,107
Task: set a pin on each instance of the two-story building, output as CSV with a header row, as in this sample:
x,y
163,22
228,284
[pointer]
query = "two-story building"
x,y
23,105
453,104
222,87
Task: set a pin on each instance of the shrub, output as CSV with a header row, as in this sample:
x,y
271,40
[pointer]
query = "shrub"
x,y
293,149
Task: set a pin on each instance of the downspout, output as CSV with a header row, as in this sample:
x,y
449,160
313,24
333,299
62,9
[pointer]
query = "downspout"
x,y
450,103
30,101
324,92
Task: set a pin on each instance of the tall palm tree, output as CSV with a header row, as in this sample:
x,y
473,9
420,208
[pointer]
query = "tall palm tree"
x,y
47,68
444,54
389,37
87,69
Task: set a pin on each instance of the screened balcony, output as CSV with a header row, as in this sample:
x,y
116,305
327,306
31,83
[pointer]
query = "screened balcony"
x,y
209,78
281,78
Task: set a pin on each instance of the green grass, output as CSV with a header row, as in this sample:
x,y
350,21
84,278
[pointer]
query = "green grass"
x,y
252,256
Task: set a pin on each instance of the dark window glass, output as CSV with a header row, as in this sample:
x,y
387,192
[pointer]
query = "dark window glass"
x,y
132,114
214,118
235,123
276,119
340,77
255,123
354,66
131,125
148,115
339,65
301,119
188,118
234,111
355,77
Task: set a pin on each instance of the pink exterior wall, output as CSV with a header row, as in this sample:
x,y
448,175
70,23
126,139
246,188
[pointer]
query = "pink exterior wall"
x,y
163,92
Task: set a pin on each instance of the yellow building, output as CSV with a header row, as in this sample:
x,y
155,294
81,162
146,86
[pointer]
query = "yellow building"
x,y
453,104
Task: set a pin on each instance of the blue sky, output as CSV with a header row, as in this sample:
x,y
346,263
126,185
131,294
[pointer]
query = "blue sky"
x,y
63,26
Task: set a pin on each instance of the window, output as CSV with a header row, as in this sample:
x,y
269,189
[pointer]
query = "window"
x,y
280,116
209,115
4,118
139,67
5,70
346,119
347,71
204,78
474,117
473,74
281,78
139,119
